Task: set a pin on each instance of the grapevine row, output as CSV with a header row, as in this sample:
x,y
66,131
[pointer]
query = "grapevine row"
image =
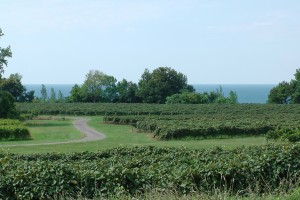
x,y
141,169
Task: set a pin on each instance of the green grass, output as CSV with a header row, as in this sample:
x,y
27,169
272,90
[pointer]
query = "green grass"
x,y
49,129
117,135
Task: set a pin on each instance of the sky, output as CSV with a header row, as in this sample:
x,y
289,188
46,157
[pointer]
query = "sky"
x,y
211,42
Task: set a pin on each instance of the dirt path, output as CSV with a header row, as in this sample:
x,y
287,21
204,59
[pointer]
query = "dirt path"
x,y
81,125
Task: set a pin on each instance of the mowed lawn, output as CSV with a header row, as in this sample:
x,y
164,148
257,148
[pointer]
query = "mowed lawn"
x,y
48,129
116,136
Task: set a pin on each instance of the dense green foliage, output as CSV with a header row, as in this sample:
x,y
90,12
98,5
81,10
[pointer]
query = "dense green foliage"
x,y
98,87
169,121
13,130
156,86
286,92
7,105
14,86
215,121
137,170
270,110
290,134
153,87
203,98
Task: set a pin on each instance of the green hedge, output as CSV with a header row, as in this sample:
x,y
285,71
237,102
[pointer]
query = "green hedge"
x,y
13,130
260,169
212,125
290,134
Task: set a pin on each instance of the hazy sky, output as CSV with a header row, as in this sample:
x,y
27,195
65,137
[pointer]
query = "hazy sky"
x,y
213,41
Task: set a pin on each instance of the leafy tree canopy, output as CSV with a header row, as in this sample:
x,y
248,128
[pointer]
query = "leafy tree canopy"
x,y
217,96
286,92
155,86
127,92
99,87
7,106
13,85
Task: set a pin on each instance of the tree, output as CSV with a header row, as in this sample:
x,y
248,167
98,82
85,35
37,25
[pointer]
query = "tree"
x,y
127,92
4,54
233,98
52,95
281,94
44,94
75,94
13,85
27,97
99,87
295,87
7,106
286,92
61,98
162,82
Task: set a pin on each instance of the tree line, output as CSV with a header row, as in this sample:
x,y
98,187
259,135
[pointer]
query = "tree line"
x,y
162,85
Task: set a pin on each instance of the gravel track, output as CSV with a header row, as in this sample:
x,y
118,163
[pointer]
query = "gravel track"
x,y
81,125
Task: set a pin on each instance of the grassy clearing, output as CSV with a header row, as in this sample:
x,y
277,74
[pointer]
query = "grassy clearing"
x,y
48,129
117,135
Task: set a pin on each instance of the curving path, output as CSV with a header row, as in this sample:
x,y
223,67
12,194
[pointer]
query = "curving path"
x,y
81,125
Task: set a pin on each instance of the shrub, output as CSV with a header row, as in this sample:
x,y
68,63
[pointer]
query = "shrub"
x,y
13,130
290,134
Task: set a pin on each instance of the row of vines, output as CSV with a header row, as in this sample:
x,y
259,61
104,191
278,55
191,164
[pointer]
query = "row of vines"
x,y
262,169
152,109
13,130
186,121
212,125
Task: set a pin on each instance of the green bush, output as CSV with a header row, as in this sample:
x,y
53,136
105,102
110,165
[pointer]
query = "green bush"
x,y
290,134
13,130
294,137
7,106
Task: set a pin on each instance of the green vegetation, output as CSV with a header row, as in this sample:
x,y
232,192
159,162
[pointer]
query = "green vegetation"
x,y
116,136
292,135
203,98
7,105
180,121
153,87
101,109
156,86
14,86
13,130
131,171
47,129
286,92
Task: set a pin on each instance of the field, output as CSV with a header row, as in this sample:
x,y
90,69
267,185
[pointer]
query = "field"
x,y
117,136
136,159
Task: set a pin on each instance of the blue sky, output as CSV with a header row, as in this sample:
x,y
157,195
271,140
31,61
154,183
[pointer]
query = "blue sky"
x,y
212,42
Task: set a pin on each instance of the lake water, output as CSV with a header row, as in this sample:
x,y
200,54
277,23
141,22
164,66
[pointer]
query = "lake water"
x,y
247,93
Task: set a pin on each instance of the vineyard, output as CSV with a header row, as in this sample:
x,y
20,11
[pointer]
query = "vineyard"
x,y
154,109
13,130
168,122
206,126
137,170
132,171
